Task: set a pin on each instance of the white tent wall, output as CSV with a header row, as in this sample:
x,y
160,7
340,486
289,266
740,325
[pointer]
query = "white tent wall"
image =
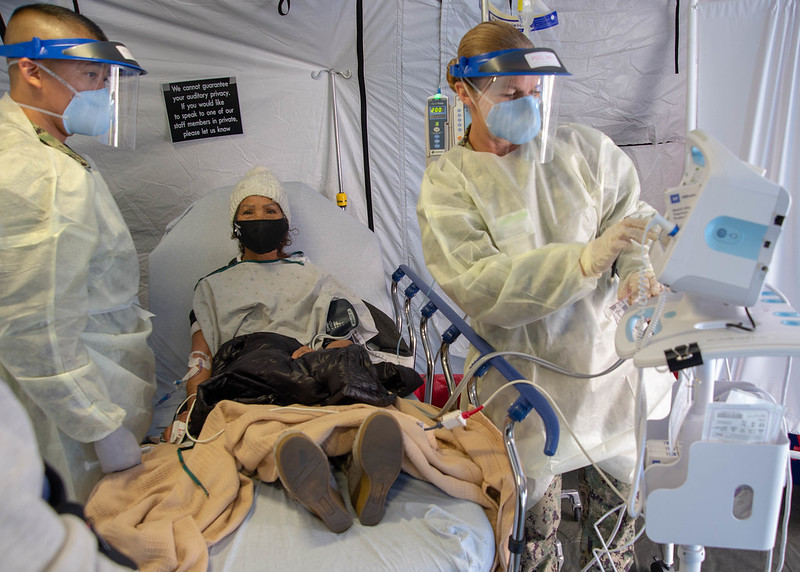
x,y
619,52
749,98
620,55
286,114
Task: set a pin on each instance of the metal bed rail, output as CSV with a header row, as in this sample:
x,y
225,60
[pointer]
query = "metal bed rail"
x,y
529,397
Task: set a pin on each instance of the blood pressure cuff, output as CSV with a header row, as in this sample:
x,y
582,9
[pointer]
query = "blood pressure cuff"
x,y
342,318
258,368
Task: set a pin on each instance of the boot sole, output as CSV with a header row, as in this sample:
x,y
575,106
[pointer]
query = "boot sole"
x,y
306,475
380,453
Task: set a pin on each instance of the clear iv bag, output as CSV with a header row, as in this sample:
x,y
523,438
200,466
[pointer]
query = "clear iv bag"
x,y
539,23
534,18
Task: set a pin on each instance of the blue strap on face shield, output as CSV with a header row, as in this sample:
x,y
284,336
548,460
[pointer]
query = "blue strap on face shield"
x,y
519,61
82,49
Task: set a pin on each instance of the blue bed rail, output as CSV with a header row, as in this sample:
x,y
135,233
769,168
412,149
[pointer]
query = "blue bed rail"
x,y
529,397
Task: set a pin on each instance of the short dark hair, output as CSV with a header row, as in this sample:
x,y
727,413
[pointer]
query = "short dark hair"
x,y
63,14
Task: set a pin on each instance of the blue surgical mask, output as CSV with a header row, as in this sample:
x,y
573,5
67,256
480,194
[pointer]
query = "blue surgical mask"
x,y
88,113
517,120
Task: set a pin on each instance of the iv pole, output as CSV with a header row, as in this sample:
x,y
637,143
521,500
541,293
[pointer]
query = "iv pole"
x,y
341,196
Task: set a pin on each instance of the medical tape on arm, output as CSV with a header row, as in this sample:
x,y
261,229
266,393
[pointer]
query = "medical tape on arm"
x,y
198,361
178,432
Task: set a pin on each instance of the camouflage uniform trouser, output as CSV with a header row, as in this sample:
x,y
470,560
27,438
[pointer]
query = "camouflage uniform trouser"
x,y
542,520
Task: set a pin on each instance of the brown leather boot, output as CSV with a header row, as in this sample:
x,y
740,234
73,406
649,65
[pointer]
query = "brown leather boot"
x,y
306,475
375,464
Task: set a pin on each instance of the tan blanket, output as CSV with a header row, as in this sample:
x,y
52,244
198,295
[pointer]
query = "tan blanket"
x,y
162,517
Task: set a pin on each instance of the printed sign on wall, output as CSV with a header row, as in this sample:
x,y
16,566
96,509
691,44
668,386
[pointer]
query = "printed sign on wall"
x,y
202,108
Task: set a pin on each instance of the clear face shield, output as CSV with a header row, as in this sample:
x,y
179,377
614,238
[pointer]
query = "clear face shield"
x,y
516,96
104,80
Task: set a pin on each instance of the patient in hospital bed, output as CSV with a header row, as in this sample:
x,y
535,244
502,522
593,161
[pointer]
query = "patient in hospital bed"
x,y
282,331
214,499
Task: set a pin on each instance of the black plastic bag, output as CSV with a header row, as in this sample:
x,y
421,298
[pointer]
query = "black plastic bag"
x,y
258,368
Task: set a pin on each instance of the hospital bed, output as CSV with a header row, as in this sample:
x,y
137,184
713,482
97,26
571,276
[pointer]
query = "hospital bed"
x,y
423,528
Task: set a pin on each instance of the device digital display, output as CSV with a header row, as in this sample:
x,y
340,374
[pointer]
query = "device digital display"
x,y
437,118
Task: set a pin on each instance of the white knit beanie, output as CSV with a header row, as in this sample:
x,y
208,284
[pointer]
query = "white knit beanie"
x,y
259,181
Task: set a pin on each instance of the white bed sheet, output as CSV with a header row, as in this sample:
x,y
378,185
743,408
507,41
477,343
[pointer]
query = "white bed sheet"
x,y
423,530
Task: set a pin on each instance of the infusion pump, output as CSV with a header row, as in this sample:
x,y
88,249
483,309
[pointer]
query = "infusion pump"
x,y
445,125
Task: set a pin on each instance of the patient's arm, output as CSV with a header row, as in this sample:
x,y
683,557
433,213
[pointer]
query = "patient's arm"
x,y
199,344
340,344
334,344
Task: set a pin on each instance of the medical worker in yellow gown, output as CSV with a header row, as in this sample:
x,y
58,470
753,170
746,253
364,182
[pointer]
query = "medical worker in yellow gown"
x,y
535,231
72,338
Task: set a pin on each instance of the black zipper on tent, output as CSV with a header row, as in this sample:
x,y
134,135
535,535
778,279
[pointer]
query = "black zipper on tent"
x,y
677,32
362,90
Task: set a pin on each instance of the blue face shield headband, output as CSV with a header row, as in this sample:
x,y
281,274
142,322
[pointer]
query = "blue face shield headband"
x,y
521,61
74,49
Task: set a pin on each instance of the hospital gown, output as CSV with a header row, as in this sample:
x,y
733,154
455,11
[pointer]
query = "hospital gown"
x,y
72,339
286,296
502,236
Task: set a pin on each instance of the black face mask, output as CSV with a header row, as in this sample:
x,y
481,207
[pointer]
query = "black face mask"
x,y
261,236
